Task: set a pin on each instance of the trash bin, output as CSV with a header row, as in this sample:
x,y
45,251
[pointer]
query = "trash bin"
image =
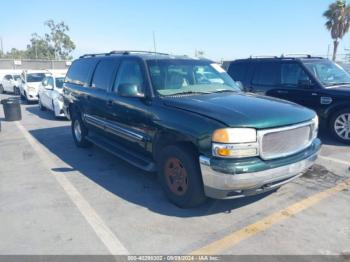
x,y
12,109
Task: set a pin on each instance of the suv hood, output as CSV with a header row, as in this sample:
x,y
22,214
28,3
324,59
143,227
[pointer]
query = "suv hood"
x,y
243,110
339,90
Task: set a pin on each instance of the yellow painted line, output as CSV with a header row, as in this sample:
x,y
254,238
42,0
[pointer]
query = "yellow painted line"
x,y
267,222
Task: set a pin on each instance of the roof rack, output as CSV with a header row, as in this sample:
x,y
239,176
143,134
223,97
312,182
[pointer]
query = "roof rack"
x,y
122,52
128,52
262,56
299,56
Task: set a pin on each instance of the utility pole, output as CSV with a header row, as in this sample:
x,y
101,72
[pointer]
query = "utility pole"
x,y
36,51
2,46
154,42
328,50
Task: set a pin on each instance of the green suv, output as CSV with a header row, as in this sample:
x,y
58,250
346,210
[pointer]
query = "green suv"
x,y
189,121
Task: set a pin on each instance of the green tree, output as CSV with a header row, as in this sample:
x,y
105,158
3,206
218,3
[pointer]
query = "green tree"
x,y
59,40
338,22
39,48
15,54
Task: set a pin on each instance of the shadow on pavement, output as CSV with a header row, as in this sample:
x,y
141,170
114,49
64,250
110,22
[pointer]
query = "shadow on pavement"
x,y
122,179
327,138
47,114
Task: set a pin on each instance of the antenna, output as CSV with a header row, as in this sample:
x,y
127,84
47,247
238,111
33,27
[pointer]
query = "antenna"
x,y
154,42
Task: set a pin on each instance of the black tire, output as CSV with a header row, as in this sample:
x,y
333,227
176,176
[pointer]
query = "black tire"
x,y
25,97
79,141
1,89
15,90
41,107
332,125
181,161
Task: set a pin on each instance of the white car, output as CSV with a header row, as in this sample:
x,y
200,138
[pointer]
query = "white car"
x,y
10,83
50,94
31,80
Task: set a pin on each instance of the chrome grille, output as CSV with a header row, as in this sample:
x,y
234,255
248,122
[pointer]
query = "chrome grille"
x,y
282,142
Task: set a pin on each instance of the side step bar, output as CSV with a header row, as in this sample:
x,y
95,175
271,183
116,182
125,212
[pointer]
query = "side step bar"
x,y
122,153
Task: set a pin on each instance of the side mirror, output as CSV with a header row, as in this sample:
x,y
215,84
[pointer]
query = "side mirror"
x,y
129,90
305,83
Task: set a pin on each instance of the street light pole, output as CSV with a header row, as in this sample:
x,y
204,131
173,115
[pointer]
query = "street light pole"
x,y
2,47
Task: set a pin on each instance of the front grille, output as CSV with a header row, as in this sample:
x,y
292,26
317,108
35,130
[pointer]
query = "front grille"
x,y
285,141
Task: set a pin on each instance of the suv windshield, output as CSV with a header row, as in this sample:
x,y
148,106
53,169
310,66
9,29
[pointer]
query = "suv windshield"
x,y
35,77
328,73
59,82
179,76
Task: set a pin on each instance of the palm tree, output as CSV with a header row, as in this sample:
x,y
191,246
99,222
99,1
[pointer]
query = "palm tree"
x,y
338,22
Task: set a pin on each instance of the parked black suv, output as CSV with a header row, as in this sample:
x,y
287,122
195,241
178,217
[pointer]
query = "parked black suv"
x,y
313,82
188,120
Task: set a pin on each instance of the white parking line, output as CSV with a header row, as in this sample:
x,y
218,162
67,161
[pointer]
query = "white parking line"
x,y
343,162
110,240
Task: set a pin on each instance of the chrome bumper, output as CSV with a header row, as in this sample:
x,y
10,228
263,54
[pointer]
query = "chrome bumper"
x,y
229,186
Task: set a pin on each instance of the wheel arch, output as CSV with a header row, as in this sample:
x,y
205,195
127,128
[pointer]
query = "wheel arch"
x,y
164,139
334,109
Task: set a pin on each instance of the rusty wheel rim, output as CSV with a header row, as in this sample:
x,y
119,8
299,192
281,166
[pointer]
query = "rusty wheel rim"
x,y
176,176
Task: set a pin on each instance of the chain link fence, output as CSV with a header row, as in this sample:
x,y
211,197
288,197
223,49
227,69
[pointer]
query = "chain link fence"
x,y
8,64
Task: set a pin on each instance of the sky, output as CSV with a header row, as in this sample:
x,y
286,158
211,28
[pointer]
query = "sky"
x,y
223,29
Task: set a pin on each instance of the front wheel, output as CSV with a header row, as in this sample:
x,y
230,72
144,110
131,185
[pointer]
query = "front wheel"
x,y
41,107
340,125
79,132
180,176
16,90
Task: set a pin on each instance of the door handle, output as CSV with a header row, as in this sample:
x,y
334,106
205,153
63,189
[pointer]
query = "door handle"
x,y
282,91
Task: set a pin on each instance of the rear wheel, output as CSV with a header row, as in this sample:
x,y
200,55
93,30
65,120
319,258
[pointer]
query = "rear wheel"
x,y
79,132
340,125
180,176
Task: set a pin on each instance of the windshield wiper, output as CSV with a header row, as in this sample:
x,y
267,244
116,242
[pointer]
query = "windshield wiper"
x,y
190,93
224,91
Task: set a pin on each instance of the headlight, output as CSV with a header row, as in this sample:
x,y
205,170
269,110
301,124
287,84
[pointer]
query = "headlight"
x,y
235,143
60,98
234,135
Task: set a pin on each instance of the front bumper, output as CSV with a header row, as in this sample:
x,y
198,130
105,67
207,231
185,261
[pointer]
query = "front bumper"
x,y
59,112
32,96
227,184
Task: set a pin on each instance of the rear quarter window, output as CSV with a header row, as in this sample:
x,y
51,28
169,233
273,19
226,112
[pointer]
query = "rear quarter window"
x,y
80,72
266,74
238,70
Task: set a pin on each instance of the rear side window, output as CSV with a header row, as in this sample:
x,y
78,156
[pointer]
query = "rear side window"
x,y
238,70
80,71
266,74
8,77
104,73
